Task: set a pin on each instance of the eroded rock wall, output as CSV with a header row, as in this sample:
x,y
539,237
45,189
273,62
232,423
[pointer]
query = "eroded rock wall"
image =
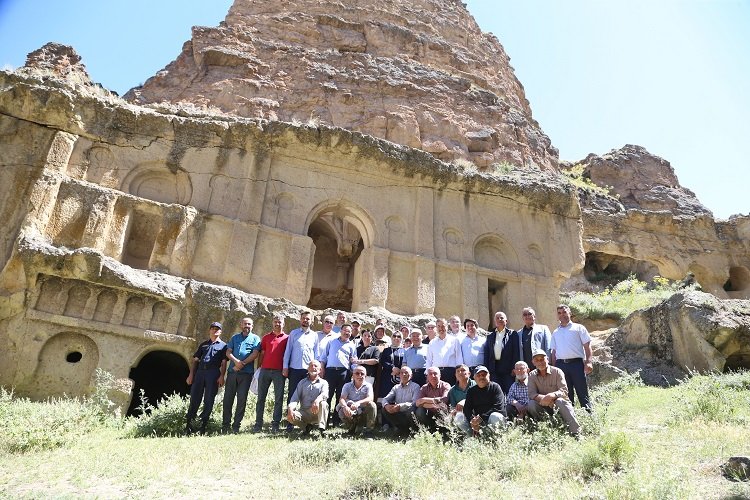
x,y
421,74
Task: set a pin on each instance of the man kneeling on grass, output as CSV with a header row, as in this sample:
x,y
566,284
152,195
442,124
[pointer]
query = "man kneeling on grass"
x,y
549,391
357,405
308,404
484,405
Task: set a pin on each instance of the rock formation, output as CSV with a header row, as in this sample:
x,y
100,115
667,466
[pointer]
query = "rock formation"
x,y
650,225
418,73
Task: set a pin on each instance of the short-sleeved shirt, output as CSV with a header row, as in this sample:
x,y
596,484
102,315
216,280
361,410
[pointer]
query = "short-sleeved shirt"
x,y
242,347
308,391
211,354
456,394
567,341
371,352
351,393
273,347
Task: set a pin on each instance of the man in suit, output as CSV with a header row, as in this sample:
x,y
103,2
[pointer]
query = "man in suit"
x,y
532,336
501,352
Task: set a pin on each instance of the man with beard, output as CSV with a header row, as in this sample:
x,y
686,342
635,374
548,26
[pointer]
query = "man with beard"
x,y
549,392
484,405
532,336
242,350
518,395
308,405
399,404
501,352
301,349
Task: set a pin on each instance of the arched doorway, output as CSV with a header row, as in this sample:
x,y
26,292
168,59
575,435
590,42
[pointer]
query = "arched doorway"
x,y
159,374
340,233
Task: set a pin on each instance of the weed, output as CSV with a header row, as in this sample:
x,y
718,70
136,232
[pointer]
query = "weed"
x,y
613,452
321,454
713,398
577,177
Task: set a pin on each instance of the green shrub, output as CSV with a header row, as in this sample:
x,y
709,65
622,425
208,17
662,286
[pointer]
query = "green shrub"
x,y
321,453
612,452
576,177
714,398
168,417
620,300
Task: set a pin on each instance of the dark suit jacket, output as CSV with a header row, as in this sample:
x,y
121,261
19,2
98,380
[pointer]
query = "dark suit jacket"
x,y
508,358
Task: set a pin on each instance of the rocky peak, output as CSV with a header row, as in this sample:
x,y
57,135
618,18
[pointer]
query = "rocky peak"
x,y
643,181
419,73
57,60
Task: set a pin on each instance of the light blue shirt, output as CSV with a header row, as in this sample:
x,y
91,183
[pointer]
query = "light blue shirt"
x,y
242,347
300,349
473,350
337,353
416,357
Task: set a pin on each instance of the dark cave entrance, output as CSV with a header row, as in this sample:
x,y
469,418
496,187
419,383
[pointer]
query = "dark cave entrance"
x,y
159,374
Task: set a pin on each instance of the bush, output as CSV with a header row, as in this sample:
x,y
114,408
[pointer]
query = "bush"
x,y
714,398
619,301
613,452
168,417
45,425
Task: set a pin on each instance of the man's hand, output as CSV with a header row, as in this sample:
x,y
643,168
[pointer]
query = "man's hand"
x,y
391,408
548,400
285,372
189,379
476,423
289,415
588,367
315,408
239,366
220,380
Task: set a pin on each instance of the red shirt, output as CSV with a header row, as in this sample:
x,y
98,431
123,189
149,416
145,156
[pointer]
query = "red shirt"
x,y
273,347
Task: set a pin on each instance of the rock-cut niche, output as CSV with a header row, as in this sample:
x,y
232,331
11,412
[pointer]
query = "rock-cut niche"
x,y
158,374
338,244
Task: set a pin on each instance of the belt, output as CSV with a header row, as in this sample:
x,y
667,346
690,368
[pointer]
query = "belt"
x,y
206,366
337,369
570,360
419,370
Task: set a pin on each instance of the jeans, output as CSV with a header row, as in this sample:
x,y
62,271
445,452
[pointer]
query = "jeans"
x,y
265,378
205,384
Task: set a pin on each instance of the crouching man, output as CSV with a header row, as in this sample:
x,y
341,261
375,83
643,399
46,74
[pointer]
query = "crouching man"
x,y
357,404
400,403
484,406
548,392
308,404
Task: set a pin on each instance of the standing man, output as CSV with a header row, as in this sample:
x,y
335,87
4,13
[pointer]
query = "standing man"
x,y
367,356
454,328
307,405
399,404
340,320
415,358
336,362
272,347
433,399
431,329
325,335
242,350
357,403
444,351
548,391
206,376
571,352
356,333
390,362
301,349
501,352
518,395
532,336
484,404
472,345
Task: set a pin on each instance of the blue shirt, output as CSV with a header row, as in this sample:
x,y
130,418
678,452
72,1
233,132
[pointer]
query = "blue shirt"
x,y
473,350
301,348
242,347
416,357
337,353
211,354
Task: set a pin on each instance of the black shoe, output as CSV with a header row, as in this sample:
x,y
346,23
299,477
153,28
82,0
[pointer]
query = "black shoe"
x,y
322,433
306,432
257,428
352,431
275,429
188,430
368,434
225,429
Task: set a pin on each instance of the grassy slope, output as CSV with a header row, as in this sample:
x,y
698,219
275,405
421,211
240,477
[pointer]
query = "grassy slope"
x,y
654,455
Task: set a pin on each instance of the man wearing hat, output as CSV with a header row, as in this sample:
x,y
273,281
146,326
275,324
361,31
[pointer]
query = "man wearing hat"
x,y
484,404
549,391
206,376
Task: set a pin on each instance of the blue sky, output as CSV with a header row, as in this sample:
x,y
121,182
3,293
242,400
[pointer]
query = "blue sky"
x,y
670,75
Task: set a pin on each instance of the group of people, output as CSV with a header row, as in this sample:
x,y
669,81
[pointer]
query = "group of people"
x,y
448,375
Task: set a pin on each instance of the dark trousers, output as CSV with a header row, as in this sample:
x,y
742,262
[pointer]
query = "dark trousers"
x,y
295,375
336,378
402,420
237,385
576,379
205,385
419,377
505,381
448,374
265,378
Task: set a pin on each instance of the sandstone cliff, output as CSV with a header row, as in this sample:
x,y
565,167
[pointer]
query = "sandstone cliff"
x,y
418,73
